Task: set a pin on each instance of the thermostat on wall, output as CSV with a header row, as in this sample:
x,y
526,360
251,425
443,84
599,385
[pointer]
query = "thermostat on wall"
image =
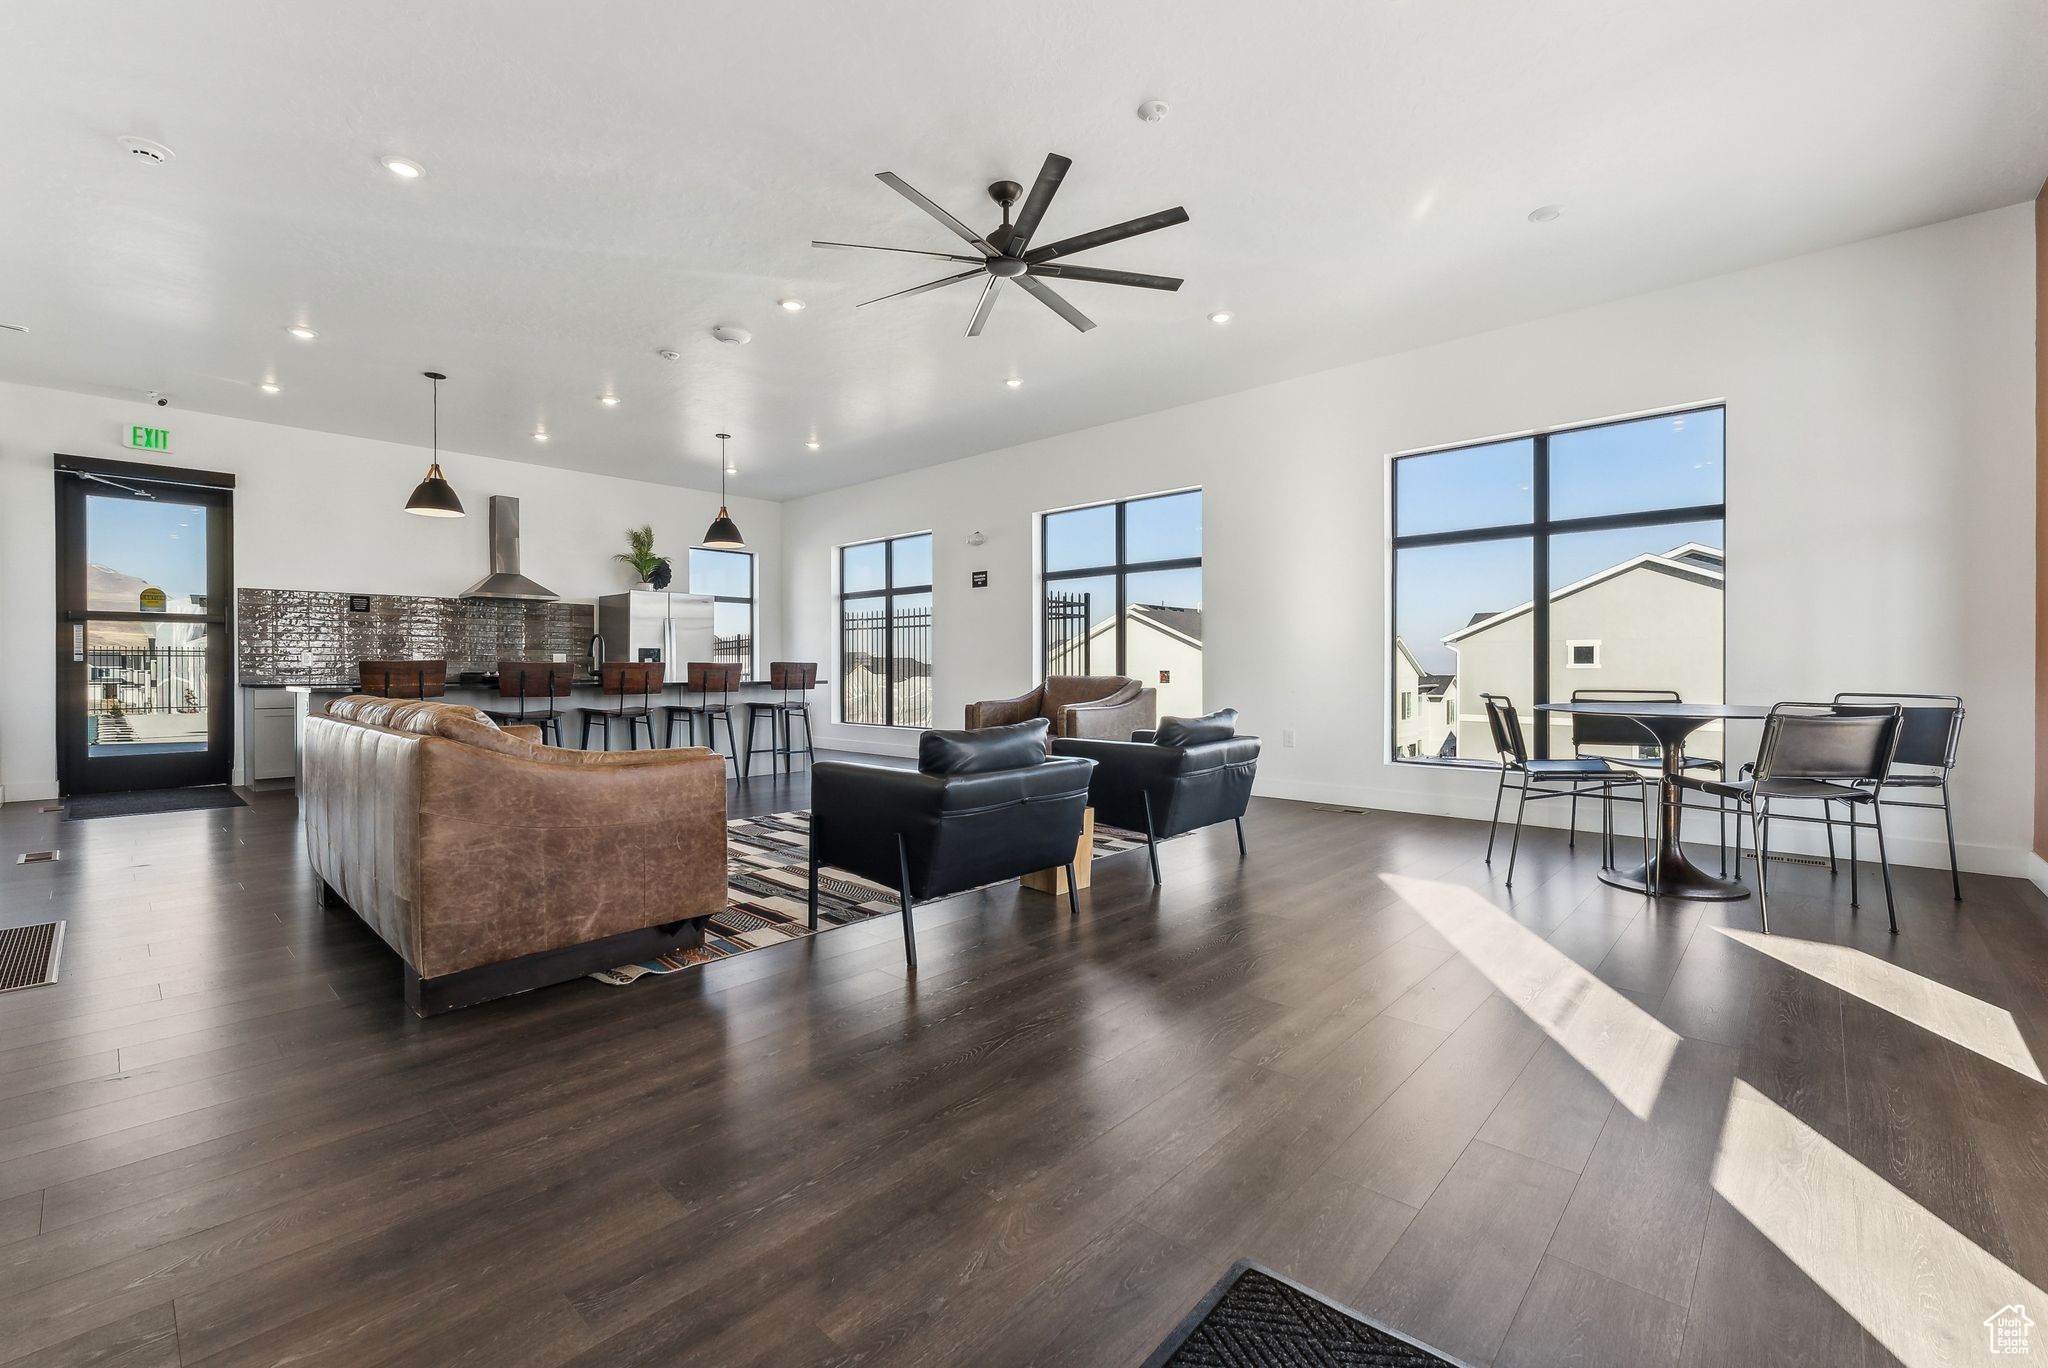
x,y
359,603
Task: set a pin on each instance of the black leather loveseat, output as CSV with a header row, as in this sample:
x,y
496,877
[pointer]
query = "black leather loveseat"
x,y
982,806
1190,773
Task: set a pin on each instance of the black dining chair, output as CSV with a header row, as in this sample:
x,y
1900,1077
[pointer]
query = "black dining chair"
x,y
1816,752
1930,728
1589,776
1589,729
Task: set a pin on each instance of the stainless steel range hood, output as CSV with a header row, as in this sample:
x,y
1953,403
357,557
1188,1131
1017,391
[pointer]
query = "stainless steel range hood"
x,y
505,581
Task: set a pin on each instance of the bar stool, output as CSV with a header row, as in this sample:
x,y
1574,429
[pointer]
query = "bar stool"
x,y
546,680
402,678
704,678
621,680
795,678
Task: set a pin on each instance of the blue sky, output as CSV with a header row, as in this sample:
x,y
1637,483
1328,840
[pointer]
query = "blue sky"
x,y
1667,462
157,540
1168,527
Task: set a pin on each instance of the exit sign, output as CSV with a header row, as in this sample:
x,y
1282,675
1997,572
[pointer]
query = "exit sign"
x,y
148,438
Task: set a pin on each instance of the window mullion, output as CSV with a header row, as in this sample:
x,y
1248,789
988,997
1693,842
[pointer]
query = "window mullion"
x,y
1539,598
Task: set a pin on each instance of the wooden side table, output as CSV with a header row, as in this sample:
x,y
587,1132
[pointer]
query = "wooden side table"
x,y
1054,881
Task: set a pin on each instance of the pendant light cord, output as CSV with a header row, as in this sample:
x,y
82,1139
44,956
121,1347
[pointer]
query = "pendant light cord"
x,y
437,425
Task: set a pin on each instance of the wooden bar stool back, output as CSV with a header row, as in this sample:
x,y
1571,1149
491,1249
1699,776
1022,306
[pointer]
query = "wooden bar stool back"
x,y
531,681
625,681
402,678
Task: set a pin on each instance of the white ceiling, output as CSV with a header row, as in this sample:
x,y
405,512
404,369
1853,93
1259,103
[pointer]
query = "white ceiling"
x,y
608,179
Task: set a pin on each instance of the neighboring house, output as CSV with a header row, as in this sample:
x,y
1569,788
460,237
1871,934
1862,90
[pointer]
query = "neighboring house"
x,y
1425,708
1162,649
1650,622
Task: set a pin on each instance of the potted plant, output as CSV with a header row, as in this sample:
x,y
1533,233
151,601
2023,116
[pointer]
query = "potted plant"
x,y
654,571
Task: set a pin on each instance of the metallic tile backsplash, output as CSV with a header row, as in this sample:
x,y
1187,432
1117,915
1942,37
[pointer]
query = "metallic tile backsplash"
x,y
288,636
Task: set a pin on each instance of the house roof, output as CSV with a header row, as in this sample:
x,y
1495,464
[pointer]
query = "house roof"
x,y
1182,622
1433,685
1694,561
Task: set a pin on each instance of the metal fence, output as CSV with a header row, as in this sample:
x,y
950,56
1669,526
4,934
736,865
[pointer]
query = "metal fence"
x,y
1069,649
886,668
145,681
737,648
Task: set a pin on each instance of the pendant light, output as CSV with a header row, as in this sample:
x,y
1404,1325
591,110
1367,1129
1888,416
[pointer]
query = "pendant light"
x,y
724,533
435,497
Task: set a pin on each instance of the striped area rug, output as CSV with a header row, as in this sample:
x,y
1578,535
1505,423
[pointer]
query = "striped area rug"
x,y
767,864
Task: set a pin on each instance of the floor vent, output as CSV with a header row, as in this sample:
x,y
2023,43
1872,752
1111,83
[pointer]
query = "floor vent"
x,y
28,955
1810,861
35,857
1332,807
51,807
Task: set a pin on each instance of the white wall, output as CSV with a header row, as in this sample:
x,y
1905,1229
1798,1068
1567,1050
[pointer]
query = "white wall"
x,y
1880,481
315,510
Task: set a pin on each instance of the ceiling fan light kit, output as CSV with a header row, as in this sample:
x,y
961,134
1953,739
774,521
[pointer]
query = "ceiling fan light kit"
x,y
1006,254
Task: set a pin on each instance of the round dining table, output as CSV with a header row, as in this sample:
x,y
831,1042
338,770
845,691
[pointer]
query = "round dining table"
x,y
1669,724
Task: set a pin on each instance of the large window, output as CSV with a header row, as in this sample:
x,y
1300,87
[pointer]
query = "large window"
x,y
1578,561
727,577
1122,594
885,632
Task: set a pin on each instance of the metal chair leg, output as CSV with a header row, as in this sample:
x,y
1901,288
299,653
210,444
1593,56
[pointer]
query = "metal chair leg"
x,y
814,870
1493,826
1571,840
1724,840
1652,876
1756,830
1948,816
1855,897
1073,892
1241,851
902,894
1827,813
1515,846
1884,864
1151,841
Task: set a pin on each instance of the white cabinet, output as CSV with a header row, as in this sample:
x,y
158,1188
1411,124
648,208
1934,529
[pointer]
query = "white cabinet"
x,y
271,738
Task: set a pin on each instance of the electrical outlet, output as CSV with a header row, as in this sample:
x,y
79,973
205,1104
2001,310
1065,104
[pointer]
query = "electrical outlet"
x,y
1287,737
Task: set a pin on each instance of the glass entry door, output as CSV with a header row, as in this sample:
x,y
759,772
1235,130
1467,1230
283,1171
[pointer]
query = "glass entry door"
x,y
144,574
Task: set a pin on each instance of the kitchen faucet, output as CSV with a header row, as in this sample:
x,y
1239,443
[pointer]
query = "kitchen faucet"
x,y
596,644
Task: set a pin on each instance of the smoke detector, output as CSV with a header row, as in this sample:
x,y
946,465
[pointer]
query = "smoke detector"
x,y
144,149
1152,111
669,354
727,332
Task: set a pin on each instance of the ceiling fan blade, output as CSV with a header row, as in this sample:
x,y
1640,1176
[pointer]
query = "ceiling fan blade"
x,y
961,230
14,327
1102,277
1042,190
988,302
1047,296
1165,218
920,289
907,251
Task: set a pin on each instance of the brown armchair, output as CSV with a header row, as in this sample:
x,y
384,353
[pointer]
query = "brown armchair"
x,y
1097,707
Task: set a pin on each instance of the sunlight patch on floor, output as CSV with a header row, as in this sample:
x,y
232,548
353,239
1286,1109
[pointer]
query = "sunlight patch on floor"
x,y
1620,1044
1909,1278
1955,1016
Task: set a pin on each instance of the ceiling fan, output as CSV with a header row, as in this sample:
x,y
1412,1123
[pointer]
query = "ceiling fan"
x,y
1007,253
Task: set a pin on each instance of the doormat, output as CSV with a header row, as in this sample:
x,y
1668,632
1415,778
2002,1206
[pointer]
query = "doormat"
x,y
767,866
29,954
143,802
1255,1318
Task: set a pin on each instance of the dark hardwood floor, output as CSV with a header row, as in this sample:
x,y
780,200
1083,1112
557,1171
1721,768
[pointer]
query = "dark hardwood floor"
x,y
1551,1126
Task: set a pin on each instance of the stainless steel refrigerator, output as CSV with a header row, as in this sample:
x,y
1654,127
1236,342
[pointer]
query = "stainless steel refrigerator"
x,y
642,625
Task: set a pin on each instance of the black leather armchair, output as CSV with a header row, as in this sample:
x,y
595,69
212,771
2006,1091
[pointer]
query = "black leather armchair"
x,y
927,834
1165,790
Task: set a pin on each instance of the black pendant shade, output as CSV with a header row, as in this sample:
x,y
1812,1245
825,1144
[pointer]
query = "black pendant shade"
x,y
434,497
724,533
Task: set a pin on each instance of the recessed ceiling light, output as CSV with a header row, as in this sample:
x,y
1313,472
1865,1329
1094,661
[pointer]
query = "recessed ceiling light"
x,y
540,434
793,305
403,169
812,444
608,400
1014,383
1547,214
1220,317
270,387
302,332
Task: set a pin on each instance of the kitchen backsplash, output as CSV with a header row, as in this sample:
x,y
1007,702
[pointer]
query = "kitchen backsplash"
x,y
287,636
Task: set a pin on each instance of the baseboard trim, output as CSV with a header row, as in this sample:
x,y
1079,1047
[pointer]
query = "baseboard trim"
x,y
1924,852
41,792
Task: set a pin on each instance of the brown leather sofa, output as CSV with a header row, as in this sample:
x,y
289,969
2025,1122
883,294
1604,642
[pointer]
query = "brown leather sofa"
x,y
1098,707
493,864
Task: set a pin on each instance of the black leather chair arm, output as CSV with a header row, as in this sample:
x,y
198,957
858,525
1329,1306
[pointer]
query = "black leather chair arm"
x,y
1187,786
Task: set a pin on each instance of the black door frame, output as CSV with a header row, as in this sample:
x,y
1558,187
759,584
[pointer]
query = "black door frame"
x,y
77,771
